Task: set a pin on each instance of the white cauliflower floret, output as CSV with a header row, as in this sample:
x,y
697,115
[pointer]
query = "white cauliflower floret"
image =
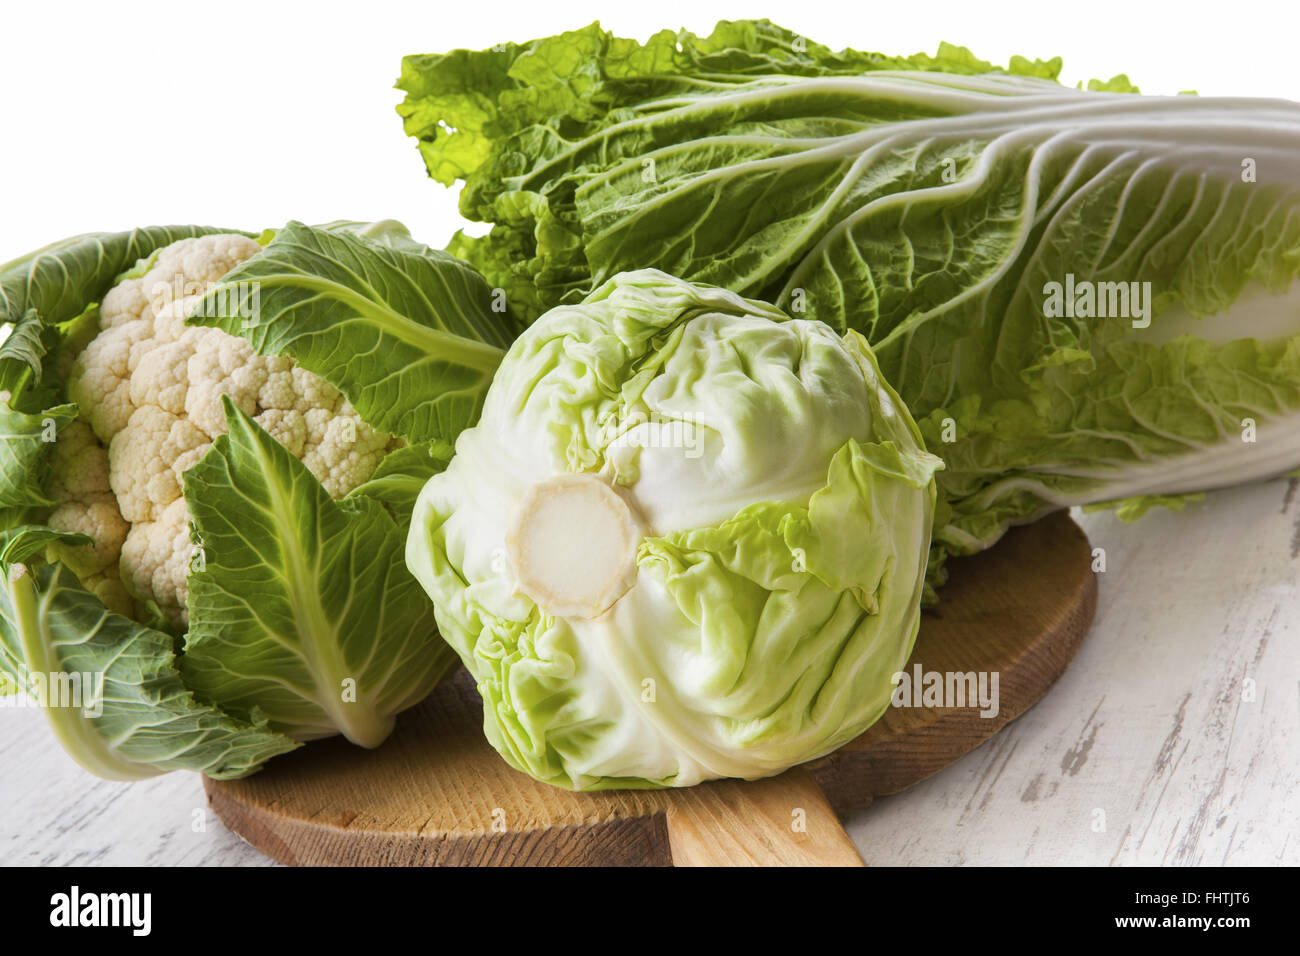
x,y
161,375
101,377
139,316
181,270
156,559
190,264
342,450
286,426
223,365
148,458
125,304
87,506
151,388
79,463
99,518
86,503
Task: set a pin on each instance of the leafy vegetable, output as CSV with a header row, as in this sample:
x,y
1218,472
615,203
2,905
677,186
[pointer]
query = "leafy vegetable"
x,y
59,280
148,721
406,333
24,447
686,540
22,352
1082,296
400,476
525,125
268,603
309,616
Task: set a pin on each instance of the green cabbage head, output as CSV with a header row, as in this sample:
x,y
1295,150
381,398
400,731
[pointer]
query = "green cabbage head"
x,y
686,540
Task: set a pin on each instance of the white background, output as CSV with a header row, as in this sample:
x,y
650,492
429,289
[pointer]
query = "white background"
x,y
246,114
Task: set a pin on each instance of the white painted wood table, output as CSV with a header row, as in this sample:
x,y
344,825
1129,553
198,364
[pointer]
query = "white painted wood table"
x,y
1173,739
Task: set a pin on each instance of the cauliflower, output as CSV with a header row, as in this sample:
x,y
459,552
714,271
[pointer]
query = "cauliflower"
x,y
149,388
87,506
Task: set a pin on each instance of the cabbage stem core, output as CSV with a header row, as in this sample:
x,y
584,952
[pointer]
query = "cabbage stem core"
x,y
573,545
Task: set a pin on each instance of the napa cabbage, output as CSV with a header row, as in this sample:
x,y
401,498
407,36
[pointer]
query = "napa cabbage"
x,y
1082,295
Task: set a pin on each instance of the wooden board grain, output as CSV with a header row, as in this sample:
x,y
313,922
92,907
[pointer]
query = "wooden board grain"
x,y
437,794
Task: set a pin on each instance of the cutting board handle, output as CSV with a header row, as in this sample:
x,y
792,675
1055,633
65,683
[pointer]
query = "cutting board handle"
x,y
780,821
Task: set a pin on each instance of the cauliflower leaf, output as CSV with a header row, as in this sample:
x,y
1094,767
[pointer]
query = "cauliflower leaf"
x,y
410,335
300,606
113,695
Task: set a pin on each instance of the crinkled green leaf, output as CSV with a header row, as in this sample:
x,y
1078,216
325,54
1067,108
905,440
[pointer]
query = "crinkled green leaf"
x,y
400,476
22,352
25,444
132,716
21,542
525,125
926,202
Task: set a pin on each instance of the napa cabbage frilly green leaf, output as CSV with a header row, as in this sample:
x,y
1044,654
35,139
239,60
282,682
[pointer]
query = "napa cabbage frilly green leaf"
x,y
932,204
686,539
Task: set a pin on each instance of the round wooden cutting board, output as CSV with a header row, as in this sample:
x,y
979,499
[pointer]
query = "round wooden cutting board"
x,y
436,792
